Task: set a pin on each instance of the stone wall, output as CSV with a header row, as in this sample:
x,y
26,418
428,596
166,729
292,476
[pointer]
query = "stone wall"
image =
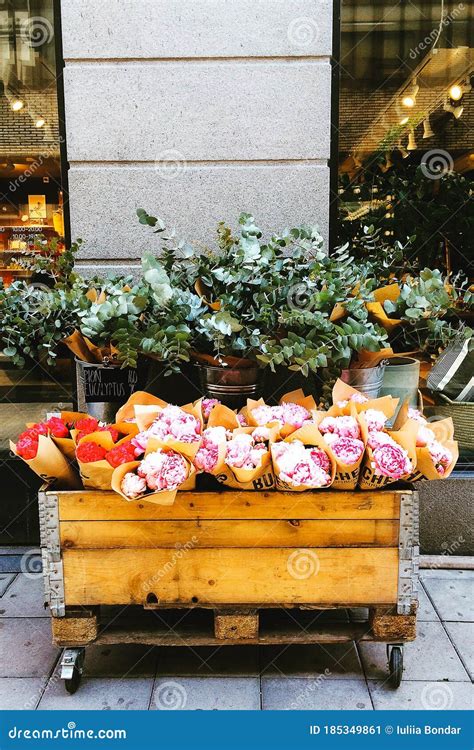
x,y
195,110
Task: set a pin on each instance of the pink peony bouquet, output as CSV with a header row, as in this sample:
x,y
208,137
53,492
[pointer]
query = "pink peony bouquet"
x,y
161,471
344,426
300,466
212,450
173,427
389,459
245,452
440,455
287,413
347,450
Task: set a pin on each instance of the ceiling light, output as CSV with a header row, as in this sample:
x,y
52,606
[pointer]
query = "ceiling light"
x,y
40,122
456,93
411,141
427,131
408,101
17,104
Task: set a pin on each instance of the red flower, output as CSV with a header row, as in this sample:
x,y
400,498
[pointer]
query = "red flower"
x,y
88,452
57,427
27,444
121,454
41,428
113,432
86,426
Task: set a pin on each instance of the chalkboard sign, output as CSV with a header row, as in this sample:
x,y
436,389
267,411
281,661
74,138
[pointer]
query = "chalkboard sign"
x,y
108,384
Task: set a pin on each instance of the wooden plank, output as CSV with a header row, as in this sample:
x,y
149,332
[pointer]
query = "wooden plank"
x,y
102,506
210,577
296,533
77,628
236,626
387,625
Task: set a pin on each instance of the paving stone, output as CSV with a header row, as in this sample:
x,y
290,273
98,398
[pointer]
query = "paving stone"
x,y
336,661
24,598
213,661
426,612
303,693
10,563
101,694
207,694
430,657
5,581
120,661
20,693
419,696
29,644
452,595
462,635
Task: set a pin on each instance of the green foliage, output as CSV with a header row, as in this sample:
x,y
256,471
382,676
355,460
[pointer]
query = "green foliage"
x,y
50,258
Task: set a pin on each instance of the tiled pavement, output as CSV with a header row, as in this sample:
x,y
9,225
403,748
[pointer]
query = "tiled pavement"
x,y
438,665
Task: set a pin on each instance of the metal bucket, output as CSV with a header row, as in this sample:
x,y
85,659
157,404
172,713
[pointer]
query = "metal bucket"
x,y
367,380
231,386
401,379
103,388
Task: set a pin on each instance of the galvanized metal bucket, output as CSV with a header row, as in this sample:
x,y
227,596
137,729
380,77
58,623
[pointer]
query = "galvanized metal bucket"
x,y
231,386
367,380
103,388
401,380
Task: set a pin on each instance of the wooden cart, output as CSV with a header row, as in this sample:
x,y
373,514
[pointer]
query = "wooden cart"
x,y
241,562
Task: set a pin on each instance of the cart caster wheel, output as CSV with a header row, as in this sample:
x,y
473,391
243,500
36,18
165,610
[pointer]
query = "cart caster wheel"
x,y
71,668
395,665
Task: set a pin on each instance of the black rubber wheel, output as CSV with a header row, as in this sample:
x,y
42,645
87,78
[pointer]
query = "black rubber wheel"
x,y
395,666
72,684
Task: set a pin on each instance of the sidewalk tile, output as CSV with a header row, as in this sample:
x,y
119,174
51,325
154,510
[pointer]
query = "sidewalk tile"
x,y
24,598
426,612
100,694
462,635
304,693
430,657
207,694
213,661
29,644
120,661
341,661
5,581
20,693
452,595
419,696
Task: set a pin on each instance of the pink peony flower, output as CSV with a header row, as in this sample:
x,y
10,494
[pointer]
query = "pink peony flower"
x,y
441,456
416,415
321,459
242,421
163,470
132,485
171,423
342,426
261,434
376,439
207,405
424,436
244,453
375,419
140,442
348,450
300,466
359,398
391,460
287,413
208,453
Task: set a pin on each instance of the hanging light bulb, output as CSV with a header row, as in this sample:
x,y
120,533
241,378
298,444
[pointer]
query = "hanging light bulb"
x,y
408,101
404,120
17,104
40,122
457,111
427,131
409,98
456,93
404,153
411,146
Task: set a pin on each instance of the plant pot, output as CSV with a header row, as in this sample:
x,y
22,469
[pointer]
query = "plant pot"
x,y
401,380
232,386
103,388
367,380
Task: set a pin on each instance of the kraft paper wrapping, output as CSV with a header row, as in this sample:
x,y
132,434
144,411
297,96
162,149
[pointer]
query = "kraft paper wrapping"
x,y
425,468
377,310
405,437
344,392
146,415
51,465
308,435
222,416
162,497
97,475
346,475
260,478
138,398
293,397
84,349
201,290
67,446
219,468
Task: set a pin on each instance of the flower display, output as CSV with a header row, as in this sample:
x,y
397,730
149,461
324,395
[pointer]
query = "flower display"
x,y
441,456
347,450
133,486
375,420
85,427
207,405
356,398
242,421
172,423
390,459
163,470
27,444
121,454
298,465
208,454
57,427
243,452
341,426
424,436
88,452
288,413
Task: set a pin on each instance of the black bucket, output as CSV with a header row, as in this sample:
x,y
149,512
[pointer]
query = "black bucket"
x,y
103,388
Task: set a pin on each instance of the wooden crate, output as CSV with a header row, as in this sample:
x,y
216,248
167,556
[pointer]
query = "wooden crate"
x,y
233,552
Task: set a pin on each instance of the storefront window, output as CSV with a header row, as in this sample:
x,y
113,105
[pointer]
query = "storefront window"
x,y
31,199
406,137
